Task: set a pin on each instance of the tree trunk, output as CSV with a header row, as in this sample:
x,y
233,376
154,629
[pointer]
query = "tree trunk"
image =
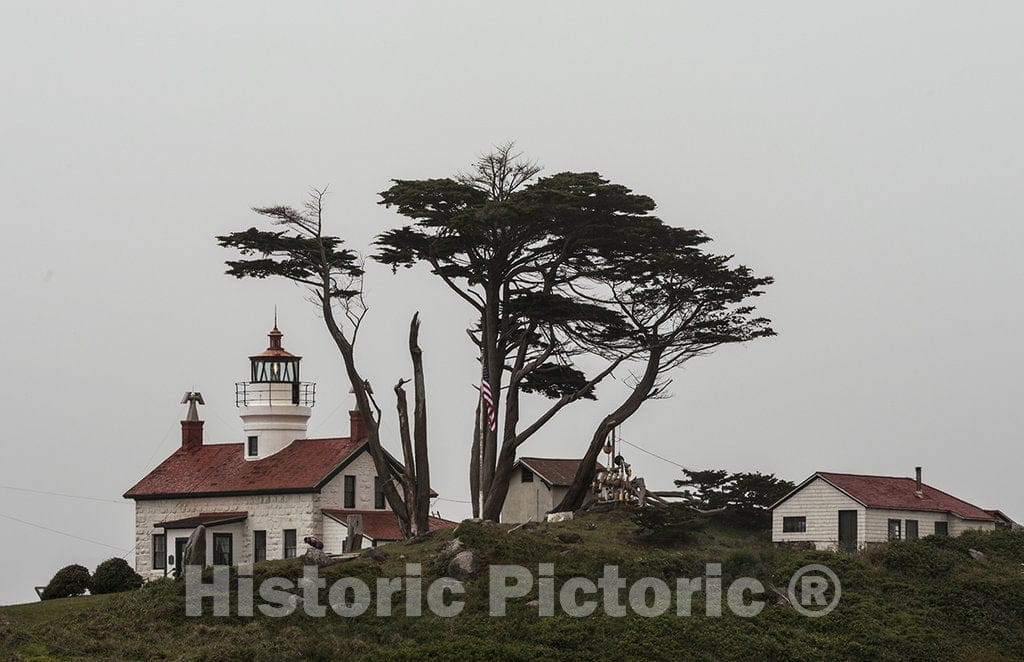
x,y
494,499
380,462
584,478
474,461
419,432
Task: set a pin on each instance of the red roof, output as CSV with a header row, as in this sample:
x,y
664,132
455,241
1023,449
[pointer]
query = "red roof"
x,y
557,472
206,519
898,493
382,525
305,465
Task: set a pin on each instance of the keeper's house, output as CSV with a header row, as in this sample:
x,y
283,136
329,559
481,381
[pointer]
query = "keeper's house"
x,y
260,498
850,511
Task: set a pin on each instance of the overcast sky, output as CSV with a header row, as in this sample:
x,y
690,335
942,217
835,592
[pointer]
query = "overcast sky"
x,y
867,155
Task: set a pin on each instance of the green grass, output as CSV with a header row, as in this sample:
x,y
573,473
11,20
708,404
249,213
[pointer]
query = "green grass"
x,y
924,600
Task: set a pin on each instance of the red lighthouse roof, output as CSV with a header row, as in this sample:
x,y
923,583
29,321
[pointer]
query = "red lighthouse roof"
x,y
274,350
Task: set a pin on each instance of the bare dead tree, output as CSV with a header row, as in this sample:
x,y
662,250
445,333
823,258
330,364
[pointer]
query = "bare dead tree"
x,y
333,276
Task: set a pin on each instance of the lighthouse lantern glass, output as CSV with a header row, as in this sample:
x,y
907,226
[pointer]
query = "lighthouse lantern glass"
x,y
275,370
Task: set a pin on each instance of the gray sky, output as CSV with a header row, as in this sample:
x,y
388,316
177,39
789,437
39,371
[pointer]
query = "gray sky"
x,y
865,154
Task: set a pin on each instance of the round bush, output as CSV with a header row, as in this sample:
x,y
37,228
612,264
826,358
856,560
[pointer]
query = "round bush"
x,y
114,576
69,581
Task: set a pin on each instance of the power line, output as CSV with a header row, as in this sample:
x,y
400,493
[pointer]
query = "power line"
x,y
644,450
62,533
452,500
61,494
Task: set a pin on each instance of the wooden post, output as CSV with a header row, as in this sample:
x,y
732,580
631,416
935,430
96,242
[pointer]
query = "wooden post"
x,y
354,541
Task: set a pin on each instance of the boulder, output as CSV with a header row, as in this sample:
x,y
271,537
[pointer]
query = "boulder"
x,y
195,548
976,555
317,557
465,565
560,517
570,538
375,554
452,547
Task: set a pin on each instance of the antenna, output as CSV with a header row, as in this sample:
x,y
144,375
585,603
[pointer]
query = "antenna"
x,y
275,315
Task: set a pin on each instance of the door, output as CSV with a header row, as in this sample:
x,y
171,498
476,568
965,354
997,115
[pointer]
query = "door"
x,y
848,530
179,554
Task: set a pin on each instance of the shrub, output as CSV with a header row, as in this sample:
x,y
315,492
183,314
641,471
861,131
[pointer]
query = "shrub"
x,y
675,523
923,557
114,576
69,581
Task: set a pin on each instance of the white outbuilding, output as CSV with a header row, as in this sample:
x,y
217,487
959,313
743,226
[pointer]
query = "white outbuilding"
x,y
852,511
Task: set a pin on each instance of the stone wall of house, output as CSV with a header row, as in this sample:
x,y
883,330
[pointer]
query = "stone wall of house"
x,y
820,503
526,501
333,493
272,513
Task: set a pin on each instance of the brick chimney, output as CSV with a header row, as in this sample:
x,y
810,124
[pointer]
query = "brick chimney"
x,y
357,426
919,492
191,435
192,427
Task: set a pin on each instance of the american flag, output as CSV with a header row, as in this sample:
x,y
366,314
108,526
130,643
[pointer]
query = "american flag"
x,y
485,393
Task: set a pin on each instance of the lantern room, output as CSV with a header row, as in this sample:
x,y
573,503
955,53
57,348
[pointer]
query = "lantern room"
x,y
274,378
275,365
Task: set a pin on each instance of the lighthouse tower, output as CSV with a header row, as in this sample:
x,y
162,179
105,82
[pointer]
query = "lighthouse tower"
x,y
274,405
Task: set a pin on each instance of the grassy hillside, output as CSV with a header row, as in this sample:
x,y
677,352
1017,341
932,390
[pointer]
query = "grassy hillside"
x,y
926,599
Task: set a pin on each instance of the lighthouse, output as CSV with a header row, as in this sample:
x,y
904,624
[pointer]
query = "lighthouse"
x,y
274,404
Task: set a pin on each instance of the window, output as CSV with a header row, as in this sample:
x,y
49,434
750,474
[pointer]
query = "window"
x,y
378,493
259,546
942,528
253,447
895,529
794,524
910,526
527,475
289,543
350,491
160,551
222,552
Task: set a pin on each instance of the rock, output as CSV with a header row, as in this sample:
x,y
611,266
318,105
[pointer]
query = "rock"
x,y
976,555
452,547
591,527
295,602
533,603
560,517
401,557
317,557
375,554
423,537
465,565
570,538
195,548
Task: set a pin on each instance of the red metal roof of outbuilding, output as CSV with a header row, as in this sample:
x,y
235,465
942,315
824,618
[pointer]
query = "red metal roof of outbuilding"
x,y
898,493
382,525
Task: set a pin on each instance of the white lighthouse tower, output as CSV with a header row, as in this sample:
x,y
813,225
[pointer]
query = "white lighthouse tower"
x,y
275,406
